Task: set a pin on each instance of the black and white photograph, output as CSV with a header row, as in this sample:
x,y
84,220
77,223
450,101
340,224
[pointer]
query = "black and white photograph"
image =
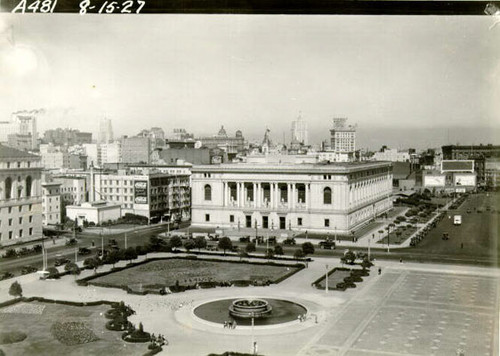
x,y
268,181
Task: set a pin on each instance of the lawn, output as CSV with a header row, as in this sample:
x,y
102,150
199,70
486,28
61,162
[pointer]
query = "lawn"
x,y
478,232
395,239
39,321
187,272
334,278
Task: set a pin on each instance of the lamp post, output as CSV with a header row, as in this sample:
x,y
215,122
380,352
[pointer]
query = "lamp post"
x,y
335,228
326,280
373,236
125,240
253,337
102,244
76,254
256,239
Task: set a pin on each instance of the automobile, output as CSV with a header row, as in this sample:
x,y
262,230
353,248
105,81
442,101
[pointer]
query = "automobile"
x,y
446,236
84,251
60,261
327,245
6,275
71,242
28,269
213,237
289,241
112,242
245,239
272,240
258,240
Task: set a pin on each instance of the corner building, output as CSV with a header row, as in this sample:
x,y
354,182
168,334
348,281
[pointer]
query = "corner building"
x,y
335,197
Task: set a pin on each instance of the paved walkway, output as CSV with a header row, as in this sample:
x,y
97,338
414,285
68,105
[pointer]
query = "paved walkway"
x,y
414,309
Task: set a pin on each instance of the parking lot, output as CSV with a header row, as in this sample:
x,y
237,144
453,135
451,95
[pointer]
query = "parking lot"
x,y
478,232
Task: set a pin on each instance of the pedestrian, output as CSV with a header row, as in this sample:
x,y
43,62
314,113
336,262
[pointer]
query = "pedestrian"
x,y
234,324
400,260
255,347
462,245
379,270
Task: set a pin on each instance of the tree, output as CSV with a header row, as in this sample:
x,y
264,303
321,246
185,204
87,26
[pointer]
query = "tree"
x,y
307,248
269,253
72,268
114,256
350,257
53,273
130,254
189,244
200,242
225,243
250,247
366,263
91,263
299,254
175,242
16,290
242,254
278,250
155,244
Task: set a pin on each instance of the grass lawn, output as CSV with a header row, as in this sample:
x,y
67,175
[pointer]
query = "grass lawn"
x,y
36,320
334,278
167,272
478,232
394,239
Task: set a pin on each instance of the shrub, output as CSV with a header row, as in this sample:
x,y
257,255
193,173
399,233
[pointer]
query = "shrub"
x,y
72,333
16,290
53,273
11,337
10,253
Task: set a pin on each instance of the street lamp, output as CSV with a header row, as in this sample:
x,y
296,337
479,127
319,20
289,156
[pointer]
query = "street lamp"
x,y
125,240
253,337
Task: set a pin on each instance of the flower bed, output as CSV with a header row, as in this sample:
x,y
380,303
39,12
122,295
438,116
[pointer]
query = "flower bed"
x,y
72,333
341,278
180,274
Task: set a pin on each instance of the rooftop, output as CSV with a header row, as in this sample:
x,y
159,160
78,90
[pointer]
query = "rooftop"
x,y
7,152
332,167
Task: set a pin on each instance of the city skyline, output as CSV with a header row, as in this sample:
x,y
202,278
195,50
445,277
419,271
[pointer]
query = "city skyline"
x,y
435,75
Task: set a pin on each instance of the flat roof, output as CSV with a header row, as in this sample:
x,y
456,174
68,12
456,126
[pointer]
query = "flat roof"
x,y
332,167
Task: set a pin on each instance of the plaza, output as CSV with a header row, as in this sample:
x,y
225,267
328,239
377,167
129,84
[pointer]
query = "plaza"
x,y
412,309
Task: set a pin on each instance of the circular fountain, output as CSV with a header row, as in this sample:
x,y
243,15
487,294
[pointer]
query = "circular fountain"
x,y
268,311
250,308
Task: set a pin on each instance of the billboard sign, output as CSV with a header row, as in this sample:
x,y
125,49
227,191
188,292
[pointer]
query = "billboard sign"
x,y
434,181
468,180
457,166
140,192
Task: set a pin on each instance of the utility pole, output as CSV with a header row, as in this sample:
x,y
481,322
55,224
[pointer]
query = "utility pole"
x,y
125,240
76,254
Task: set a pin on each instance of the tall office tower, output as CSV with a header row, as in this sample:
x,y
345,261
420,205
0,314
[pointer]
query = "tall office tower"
x,y
21,125
343,137
299,130
105,131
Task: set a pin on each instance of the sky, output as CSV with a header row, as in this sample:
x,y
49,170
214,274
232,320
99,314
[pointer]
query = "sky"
x,y
404,80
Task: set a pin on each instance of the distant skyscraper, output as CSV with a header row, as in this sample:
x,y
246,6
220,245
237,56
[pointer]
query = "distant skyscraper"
x,y
343,137
299,131
22,123
105,131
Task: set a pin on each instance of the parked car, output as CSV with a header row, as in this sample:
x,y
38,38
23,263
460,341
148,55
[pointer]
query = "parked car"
x,y
446,236
60,261
289,241
28,269
327,245
84,251
6,275
245,239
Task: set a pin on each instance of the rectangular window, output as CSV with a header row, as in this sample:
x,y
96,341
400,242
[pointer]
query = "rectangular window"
x,y
207,217
327,222
21,233
20,208
20,220
31,231
248,220
31,218
10,209
30,206
10,222
299,221
231,218
10,235
265,222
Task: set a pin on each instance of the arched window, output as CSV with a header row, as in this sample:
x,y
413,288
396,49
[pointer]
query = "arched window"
x,y
8,188
327,196
208,192
28,186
